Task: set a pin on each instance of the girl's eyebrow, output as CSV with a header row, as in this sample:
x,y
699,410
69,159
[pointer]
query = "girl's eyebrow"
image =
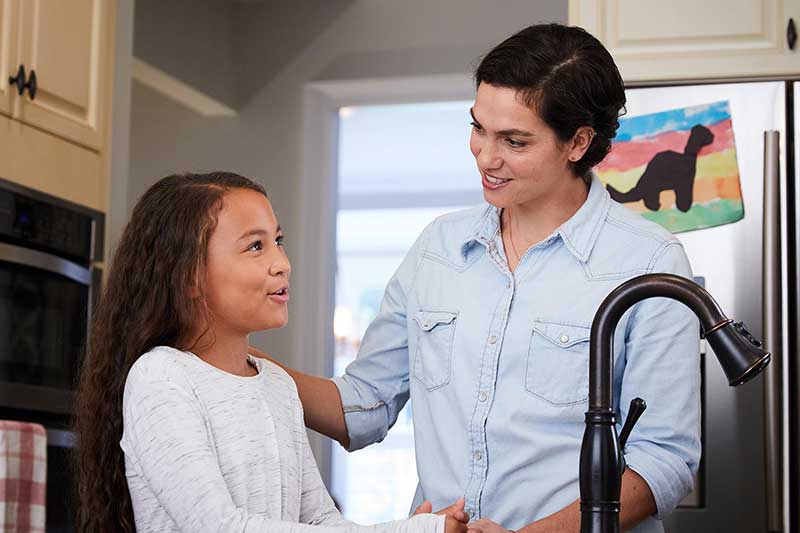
x,y
506,133
258,232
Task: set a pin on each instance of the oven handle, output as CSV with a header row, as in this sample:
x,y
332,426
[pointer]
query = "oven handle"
x,y
45,261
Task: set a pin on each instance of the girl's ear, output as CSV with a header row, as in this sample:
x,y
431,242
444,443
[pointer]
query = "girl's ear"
x,y
195,292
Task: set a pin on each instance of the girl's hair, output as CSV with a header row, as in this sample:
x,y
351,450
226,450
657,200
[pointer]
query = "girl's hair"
x,y
147,302
568,77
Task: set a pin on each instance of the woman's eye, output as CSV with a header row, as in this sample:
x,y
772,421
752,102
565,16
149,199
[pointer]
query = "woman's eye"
x,y
476,126
255,247
279,240
515,144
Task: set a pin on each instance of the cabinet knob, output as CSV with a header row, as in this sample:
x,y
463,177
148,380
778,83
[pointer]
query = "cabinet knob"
x,y
18,80
791,34
31,85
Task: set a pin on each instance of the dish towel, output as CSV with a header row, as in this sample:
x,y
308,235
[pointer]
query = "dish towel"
x,y
23,473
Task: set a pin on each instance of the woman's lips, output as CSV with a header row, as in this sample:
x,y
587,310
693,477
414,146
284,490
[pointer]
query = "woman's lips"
x,y
493,183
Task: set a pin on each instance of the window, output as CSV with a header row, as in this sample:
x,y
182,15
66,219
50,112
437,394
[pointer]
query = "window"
x,y
400,166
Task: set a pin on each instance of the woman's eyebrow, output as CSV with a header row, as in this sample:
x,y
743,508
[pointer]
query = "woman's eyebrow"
x,y
513,132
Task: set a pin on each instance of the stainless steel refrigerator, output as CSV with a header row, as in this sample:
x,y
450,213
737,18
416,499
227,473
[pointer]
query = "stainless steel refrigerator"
x,y
748,475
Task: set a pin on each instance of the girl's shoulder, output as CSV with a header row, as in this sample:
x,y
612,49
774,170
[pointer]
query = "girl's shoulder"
x,y
161,363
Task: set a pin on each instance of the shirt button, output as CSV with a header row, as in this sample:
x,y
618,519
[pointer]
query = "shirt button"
x,y
564,339
477,456
492,339
482,397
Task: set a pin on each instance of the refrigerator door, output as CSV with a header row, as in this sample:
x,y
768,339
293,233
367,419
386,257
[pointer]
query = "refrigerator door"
x,y
730,488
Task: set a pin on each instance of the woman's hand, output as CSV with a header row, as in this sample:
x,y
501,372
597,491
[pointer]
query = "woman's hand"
x,y
485,526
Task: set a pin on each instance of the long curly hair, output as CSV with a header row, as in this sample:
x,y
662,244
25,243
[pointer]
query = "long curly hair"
x,y
147,301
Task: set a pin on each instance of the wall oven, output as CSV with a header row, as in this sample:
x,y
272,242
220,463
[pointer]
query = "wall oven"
x,y
48,284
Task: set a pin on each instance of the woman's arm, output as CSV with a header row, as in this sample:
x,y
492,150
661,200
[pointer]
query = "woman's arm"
x,y
636,504
322,404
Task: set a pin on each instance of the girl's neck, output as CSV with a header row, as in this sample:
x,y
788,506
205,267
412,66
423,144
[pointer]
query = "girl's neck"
x,y
226,352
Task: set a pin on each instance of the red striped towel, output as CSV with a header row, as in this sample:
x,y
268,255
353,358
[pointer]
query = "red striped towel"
x,y
23,473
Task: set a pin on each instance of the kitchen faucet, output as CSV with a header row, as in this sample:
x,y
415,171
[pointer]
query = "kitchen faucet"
x,y
602,462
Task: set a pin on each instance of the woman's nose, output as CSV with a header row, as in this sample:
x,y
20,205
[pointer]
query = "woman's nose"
x,y
488,157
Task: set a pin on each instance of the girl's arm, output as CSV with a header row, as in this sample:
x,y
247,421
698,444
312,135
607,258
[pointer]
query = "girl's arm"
x,y
322,403
166,440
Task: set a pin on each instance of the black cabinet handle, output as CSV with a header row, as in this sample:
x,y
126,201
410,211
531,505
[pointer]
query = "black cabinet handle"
x,y
791,34
31,85
19,80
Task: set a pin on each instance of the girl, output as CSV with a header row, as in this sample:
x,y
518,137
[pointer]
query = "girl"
x,y
179,428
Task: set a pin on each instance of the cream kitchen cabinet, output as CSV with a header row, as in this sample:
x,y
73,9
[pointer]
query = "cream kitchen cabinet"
x,y
653,40
53,133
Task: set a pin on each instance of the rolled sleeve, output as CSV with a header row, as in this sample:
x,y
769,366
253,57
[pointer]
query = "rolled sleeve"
x,y
367,419
663,367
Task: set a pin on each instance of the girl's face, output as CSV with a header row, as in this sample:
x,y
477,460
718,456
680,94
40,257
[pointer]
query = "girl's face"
x,y
520,158
246,284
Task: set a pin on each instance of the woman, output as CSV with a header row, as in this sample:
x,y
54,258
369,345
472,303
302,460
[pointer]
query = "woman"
x,y
179,428
485,325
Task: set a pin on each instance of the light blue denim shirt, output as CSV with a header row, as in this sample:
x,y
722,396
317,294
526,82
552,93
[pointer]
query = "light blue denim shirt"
x,y
496,363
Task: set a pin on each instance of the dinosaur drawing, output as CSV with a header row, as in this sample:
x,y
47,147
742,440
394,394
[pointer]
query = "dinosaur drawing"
x,y
669,170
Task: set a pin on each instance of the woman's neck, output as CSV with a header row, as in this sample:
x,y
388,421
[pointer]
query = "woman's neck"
x,y
228,352
535,221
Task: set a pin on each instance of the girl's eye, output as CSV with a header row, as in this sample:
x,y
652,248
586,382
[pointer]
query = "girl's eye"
x,y
279,240
515,144
255,247
476,126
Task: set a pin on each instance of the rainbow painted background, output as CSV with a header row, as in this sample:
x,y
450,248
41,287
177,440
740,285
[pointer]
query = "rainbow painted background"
x,y
717,191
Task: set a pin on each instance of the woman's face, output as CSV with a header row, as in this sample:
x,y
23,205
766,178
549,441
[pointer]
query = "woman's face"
x,y
246,284
520,159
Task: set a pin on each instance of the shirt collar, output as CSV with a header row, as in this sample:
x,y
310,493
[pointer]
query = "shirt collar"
x,y
579,233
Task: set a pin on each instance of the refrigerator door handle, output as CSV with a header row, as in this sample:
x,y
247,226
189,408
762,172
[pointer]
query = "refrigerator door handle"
x,y
773,340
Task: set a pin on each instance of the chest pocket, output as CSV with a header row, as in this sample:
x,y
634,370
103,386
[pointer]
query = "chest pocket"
x,y
558,363
434,353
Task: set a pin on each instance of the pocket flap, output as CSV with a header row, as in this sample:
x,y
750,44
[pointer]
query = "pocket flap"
x,y
427,320
563,335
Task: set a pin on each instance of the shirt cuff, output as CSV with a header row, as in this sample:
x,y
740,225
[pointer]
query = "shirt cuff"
x,y
367,421
668,481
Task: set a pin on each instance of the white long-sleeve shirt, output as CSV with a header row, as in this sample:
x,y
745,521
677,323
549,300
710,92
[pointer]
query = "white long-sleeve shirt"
x,y
206,450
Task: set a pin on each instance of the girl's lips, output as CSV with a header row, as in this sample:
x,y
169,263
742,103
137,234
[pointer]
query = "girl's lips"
x,y
279,297
492,186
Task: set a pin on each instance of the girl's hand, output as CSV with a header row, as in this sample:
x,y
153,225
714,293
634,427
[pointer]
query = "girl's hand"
x,y
454,511
485,526
451,525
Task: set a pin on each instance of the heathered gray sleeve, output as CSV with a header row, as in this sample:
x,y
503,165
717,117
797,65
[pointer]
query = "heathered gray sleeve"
x,y
167,440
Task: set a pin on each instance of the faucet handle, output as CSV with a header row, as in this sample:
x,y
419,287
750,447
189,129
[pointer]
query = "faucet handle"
x,y
636,409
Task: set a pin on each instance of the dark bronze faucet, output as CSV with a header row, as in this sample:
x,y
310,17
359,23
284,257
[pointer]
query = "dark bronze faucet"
x,y
602,462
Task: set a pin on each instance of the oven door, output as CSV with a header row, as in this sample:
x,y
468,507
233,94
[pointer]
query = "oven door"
x,y
44,310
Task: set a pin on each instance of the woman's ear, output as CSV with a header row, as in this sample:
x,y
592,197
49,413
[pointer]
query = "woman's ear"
x,y
580,143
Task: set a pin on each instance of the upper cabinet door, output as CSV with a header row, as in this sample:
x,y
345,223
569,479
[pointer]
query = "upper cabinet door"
x,y
653,40
8,54
67,45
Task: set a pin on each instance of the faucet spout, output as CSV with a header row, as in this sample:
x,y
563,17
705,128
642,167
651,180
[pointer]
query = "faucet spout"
x,y
602,463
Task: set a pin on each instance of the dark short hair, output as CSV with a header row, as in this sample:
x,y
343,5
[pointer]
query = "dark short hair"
x,y
568,77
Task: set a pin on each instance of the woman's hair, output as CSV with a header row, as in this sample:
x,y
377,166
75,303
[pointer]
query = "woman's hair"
x,y
568,77
148,301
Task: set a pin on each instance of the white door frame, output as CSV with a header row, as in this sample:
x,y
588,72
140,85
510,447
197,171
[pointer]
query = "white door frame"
x,y
315,261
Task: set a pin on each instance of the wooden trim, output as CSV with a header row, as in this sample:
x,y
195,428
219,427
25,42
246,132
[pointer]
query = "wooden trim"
x,y
184,94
